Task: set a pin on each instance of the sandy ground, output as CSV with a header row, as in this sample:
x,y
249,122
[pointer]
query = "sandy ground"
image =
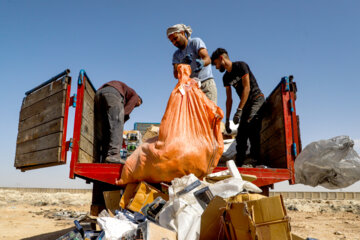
x,y
26,215
324,219
40,216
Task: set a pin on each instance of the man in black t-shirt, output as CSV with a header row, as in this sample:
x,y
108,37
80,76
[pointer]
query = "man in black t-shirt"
x,y
247,115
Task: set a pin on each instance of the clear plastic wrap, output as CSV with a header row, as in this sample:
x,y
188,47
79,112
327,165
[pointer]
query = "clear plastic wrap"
x,y
331,163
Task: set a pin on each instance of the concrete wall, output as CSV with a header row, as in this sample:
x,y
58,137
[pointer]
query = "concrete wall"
x,y
290,195
319,195
47,190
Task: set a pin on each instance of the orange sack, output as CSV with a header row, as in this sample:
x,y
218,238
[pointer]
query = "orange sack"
x,y
190,139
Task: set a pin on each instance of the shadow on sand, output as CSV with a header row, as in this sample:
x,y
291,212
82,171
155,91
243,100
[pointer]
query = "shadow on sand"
x,y
50,236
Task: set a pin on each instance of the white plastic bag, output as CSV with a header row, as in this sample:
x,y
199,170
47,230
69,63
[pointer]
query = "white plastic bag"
x,y
232,186
330,163
116,227
182,213
229,150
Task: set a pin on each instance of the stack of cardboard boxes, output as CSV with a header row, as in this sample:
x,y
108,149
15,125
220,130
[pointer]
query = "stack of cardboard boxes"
x,y
245,216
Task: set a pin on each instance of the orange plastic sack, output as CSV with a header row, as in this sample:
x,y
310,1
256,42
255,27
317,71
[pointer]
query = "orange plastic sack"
x,y
190,139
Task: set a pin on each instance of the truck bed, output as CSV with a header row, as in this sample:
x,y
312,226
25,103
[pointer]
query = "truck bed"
x,y
280,141
49,103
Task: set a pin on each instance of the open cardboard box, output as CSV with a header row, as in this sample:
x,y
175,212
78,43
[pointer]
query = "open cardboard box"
x,y
246,217
137,196
153,231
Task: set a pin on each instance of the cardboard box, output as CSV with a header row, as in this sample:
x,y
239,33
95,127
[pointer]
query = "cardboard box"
x,y
153,231
151,132
128,194
214,179
112,199
247,217
135,198
244,197
211,220
237,222
296,237
267,219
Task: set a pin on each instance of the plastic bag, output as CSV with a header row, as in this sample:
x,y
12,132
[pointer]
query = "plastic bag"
x,y
116,227
229,150
232,186
190,139
330,163
182,213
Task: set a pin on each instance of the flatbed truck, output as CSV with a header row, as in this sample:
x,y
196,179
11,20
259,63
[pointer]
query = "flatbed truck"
x,y
43,122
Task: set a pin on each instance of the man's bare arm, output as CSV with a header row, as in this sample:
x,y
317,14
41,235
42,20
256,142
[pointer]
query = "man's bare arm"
x,y
203,53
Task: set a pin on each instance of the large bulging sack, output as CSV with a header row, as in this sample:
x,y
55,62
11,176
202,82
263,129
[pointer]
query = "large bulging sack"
x,y
190,138
331,163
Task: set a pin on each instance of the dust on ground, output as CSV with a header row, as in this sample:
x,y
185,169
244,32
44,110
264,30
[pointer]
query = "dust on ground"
x,y
325,219
40,216
33,215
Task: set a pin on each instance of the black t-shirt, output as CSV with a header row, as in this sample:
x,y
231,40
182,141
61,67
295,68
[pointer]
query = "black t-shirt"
x,y
233,78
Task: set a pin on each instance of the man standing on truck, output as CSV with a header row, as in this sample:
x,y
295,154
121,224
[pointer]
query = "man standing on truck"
x,y
114,101
193,51
239,75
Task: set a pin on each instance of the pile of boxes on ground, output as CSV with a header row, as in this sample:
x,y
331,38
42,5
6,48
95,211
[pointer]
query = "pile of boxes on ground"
x,y
223,205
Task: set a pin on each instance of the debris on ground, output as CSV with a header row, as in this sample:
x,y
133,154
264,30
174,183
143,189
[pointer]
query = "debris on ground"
x,y
230,208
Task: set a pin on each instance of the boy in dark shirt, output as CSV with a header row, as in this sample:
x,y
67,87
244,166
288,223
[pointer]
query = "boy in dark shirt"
x,y
247,115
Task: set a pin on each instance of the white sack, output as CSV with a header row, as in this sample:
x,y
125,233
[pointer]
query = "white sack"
x,y
232,186
115,227
182,213
229,150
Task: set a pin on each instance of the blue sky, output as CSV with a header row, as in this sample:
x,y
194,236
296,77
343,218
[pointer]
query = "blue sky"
x,y
316,41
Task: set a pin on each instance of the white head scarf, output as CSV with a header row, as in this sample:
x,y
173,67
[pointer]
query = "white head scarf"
x,y
179,28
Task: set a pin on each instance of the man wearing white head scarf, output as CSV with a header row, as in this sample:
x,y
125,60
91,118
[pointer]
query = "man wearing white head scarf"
x,y
193,51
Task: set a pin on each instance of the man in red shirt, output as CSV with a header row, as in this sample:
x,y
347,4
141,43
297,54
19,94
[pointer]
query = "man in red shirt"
x,y
114,101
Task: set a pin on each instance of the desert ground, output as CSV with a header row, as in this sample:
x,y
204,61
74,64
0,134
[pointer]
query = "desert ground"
x,y
40,216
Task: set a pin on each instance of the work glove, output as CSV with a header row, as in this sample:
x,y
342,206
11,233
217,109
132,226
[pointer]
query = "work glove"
x,y
237,116
227,126
187,59
199,65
